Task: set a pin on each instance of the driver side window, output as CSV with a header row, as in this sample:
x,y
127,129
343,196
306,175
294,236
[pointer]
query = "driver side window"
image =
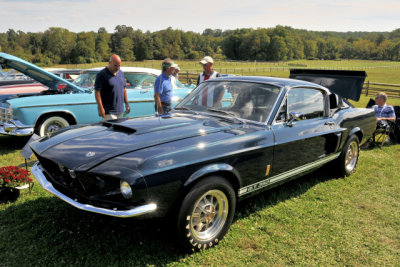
x,y
310,102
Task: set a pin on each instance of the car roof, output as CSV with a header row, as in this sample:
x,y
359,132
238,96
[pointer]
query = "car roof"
x,y
279,82
76,71
133,69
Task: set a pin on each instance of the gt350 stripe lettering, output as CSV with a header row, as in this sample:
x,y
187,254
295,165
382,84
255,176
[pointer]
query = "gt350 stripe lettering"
x,y
283,176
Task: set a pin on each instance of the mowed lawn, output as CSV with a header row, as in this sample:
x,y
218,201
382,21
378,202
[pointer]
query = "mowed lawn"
x,y
319,219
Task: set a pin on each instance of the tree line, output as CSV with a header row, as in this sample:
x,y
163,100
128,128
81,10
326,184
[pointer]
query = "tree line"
x,y
60,46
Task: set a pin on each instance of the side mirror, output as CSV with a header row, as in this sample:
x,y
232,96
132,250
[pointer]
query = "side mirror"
x,y
294,116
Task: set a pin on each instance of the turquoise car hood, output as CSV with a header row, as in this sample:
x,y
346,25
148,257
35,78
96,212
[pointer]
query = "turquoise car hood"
x,y
52,81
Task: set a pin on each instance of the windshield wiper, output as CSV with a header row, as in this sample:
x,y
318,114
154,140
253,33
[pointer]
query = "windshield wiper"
x,y
186,109
222,111
231,114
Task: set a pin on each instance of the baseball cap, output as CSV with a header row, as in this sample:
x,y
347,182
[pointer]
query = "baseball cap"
x,y
206,60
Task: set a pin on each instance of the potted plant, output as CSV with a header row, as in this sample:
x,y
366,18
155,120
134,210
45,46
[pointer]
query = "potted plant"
x,y
12,179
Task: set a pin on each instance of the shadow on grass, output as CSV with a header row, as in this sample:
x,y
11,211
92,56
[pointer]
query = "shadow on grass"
x,y
11,143
47,231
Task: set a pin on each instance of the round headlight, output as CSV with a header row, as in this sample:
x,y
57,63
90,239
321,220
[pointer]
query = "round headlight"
x,y
126,189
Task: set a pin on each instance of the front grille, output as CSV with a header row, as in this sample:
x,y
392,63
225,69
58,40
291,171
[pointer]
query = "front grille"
x,y
85,188
61,176
5,115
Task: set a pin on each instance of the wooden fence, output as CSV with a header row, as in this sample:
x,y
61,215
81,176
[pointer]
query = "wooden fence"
x,y
371,88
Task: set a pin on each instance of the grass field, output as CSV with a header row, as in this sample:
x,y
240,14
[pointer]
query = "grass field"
x,y
316,220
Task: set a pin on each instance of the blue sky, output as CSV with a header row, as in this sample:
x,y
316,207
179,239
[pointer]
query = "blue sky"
x,y
154,15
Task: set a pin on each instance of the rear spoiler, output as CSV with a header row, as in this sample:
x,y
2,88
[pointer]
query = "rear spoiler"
x,y
345,83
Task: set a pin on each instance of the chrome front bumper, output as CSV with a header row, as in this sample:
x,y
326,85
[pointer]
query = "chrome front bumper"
x,y
37,171
15,128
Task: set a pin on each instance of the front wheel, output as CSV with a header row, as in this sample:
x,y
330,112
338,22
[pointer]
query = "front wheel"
x,y
349,157
51,124
206,213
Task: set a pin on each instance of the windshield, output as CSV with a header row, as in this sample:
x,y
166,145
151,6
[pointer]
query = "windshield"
x,y
244,100
86,80
133,80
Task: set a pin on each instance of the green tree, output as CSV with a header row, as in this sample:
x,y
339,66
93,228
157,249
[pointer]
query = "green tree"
x,y
85,49
278,49
310,49
125,51
58,44
103,41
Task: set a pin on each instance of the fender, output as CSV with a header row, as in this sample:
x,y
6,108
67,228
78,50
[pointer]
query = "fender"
x,y
354,132
55,111
213,168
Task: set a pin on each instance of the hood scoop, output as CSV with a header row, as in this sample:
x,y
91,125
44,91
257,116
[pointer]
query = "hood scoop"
x,y
116,126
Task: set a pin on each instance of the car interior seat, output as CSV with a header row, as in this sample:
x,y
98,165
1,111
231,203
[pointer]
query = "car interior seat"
x,y
254,104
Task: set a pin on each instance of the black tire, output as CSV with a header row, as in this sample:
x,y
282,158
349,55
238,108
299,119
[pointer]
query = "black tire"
x,y
50,124
348,159
206,214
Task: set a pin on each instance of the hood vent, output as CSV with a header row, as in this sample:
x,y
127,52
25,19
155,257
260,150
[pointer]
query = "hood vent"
x,y
119,127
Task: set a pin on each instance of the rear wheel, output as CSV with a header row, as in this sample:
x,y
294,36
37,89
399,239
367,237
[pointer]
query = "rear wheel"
x,y
51,124
206,213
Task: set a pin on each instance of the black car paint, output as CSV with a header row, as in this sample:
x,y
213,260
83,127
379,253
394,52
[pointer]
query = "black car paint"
x,y
167,155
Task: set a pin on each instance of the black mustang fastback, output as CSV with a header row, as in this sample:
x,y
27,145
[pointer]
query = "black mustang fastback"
x,y
232,137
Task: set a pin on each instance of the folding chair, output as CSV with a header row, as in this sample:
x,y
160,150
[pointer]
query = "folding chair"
x,y
382,133
387,130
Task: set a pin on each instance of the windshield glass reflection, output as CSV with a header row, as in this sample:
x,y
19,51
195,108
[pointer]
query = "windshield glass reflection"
x,y
249,101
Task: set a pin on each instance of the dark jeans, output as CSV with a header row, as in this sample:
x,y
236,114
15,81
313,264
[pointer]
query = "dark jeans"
x,y
165,106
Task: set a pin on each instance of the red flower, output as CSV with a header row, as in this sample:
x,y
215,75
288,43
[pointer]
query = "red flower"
x,y
13,176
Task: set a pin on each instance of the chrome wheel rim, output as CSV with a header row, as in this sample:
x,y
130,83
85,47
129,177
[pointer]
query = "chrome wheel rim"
x,y
52,124
351,156
54,127
209,215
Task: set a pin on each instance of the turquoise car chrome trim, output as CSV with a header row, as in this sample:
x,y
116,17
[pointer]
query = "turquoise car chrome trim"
x,y
283,176
15,128
80,104
37,171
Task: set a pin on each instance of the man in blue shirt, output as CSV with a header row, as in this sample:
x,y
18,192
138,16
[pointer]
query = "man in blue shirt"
x,y
110,91
163,88
383,112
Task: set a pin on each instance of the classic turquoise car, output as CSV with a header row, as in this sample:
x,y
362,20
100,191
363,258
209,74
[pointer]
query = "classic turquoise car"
x,y
66,103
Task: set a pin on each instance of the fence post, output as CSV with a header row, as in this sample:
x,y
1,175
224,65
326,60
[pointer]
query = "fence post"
x,y
366,91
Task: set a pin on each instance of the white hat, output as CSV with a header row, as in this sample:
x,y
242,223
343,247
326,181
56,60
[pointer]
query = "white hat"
x,y
206,60
174,66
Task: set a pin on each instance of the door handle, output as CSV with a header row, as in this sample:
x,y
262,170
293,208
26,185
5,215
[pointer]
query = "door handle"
x,y
330,123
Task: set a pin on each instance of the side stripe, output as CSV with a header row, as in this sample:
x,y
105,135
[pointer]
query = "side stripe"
x,y
286,175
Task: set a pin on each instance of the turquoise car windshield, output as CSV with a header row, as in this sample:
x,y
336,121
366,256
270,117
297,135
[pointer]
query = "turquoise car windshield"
x,y
133,80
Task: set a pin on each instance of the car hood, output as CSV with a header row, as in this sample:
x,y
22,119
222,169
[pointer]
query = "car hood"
x,y
44,77
84,147
345,83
